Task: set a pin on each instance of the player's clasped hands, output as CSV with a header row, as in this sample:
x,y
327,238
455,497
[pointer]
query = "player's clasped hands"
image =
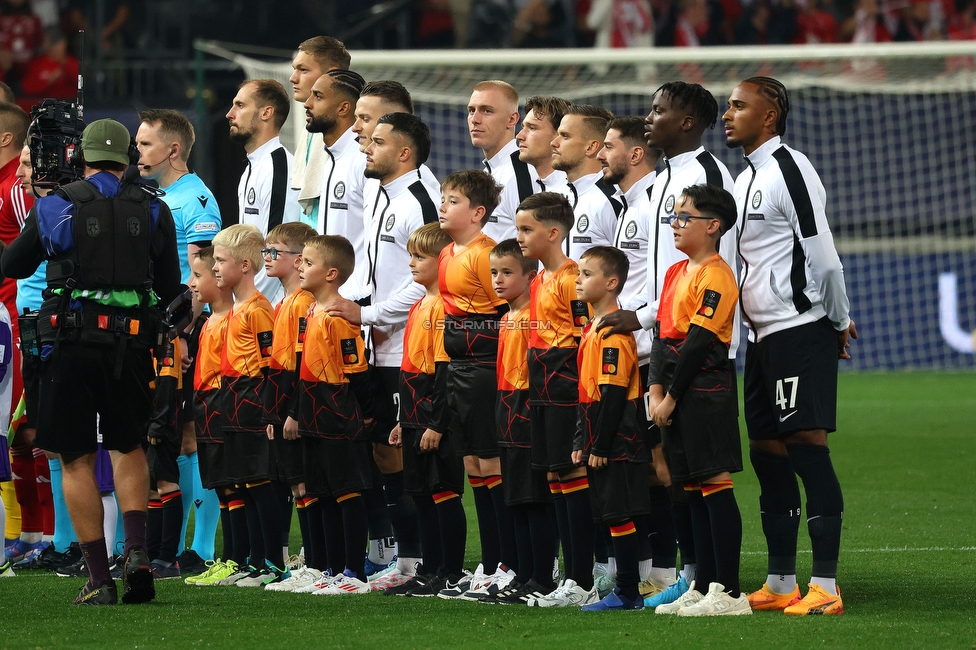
x,y
661,413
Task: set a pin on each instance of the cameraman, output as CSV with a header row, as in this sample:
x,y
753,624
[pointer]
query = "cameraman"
x,y
111,248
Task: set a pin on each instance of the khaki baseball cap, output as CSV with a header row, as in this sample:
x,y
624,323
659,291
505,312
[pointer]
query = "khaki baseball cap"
x,y
106,140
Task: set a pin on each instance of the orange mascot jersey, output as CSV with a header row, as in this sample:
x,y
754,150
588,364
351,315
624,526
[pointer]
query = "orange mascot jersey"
x,y
289,333
244,362
423,348
206,379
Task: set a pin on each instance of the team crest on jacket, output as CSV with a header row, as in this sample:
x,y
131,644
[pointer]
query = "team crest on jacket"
x,y
582,223
390,221
631,230
669,204
92,227
757,199
132,223
250,196
340,190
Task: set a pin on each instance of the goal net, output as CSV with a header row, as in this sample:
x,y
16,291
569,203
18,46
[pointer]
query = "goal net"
x,y
891,128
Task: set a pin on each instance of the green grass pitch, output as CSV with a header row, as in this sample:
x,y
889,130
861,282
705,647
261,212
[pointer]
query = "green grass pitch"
x,y
905,452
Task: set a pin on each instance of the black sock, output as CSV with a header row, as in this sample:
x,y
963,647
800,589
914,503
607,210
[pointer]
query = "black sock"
x,y
256,558
543,539
601,554
576,491
645,551
316,552
96,558
702,526
335,542
523,542
825,505
239,529
487,526
286,503
430,533
563,528
355,528
169,539
626,548
379,515
402,513
507,546
303,526
225,528
681,516
454,529
269,511
662,538
726,523
779,509
154,528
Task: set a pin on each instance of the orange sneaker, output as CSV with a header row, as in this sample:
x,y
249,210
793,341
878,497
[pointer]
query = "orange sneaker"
x,y
817,602
767,600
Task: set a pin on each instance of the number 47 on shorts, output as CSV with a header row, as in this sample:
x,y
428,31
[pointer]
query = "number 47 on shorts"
x,y
786,395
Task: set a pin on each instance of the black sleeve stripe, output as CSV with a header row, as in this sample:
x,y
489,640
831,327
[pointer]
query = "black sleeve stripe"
x,y
798,277
279,187
607,189
426,204
798,192
523,178
713,175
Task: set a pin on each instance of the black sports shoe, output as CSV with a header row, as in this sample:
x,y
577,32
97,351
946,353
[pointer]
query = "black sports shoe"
x,y
402,590
104,593
507,596
51,560
190,563
428,586
532,590
137,578
76,570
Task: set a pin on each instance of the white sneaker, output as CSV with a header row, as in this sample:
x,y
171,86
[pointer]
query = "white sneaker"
x,y
478,586
568,594
690,597
295,562
717,602
232,579
324,580
344,585
302,577
389,579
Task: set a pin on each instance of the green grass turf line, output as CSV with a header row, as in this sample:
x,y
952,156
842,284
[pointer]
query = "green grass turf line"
x,y
905,451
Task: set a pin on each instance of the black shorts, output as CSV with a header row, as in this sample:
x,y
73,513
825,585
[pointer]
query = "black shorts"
x,y
287,459
652,432
522,482
619,490
77,383
336,467
553,429
471,392
703,437
791,382
385,385
213,468
247,455
30,373
426,473
163,459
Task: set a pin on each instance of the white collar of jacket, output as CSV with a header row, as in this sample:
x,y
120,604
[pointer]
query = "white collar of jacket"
x,y
503,157
639,188
764,151
264,150
401,183
342,145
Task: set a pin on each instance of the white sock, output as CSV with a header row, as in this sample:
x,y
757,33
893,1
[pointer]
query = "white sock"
x,y
601,567
284,552
827,584
408,565
689,572
612,566
110,521
31,538
644,568
782,584
663,575
47,538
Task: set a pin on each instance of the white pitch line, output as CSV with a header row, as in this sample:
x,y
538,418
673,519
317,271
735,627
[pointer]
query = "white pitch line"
x,y
905,549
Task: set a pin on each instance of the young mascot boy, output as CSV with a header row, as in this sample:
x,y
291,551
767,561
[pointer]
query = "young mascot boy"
x,y
471,311
433,472
611,415
333,398
693,399
207,417
526,489
282,260
543,222
243,374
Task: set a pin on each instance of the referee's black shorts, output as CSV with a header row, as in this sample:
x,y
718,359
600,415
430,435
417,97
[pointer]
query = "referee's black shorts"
x,y
790,382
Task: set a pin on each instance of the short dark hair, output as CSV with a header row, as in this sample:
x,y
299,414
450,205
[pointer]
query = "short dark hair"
x,y
511,248
269,92
391,92
551,108
613,263
173,125
713,201
550,208
595,118
631,129
338,253
774,92
478,186
6,94
414,129
347,83
700,103
327,51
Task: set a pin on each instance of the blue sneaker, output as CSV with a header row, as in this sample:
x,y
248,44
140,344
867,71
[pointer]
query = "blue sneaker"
x,y
614,601
669,595
373,568
21,552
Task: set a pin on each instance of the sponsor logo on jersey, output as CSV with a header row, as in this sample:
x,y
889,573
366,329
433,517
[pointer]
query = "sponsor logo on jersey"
x,y
264,342
611,359
338,205
756,200
582,223
350,355
580,313
631,230
390,222
340,190
250,196
709,303
206,227
756,216
669,204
